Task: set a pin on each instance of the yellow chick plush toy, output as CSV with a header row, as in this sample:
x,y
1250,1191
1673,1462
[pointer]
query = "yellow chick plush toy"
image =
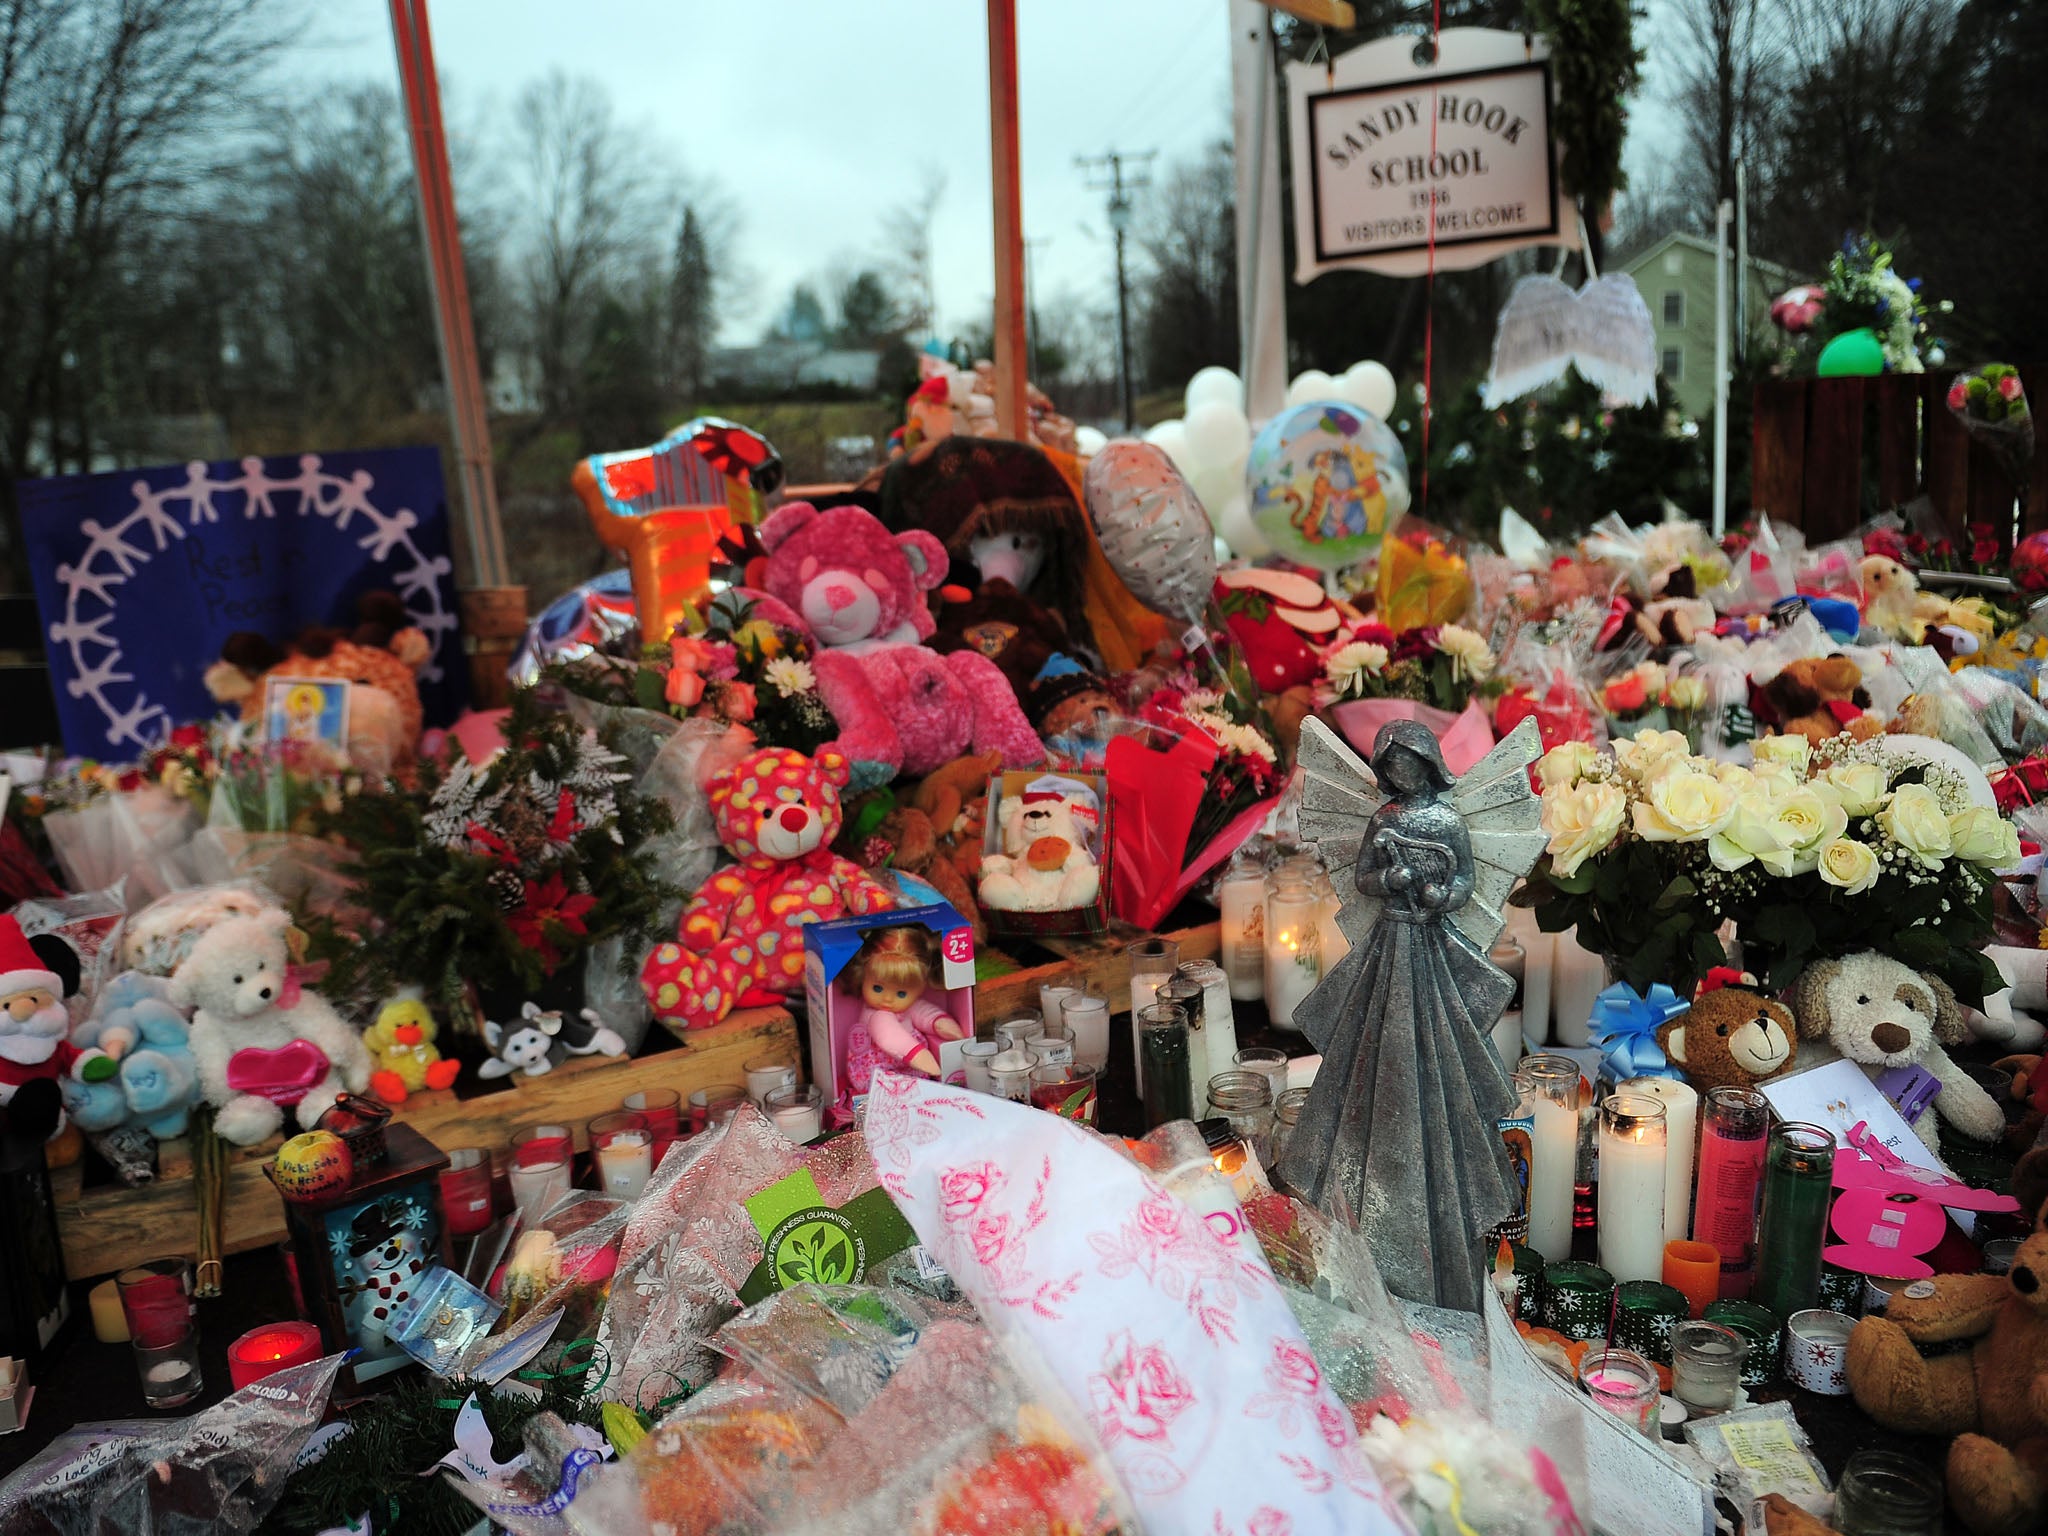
x,y
401,1043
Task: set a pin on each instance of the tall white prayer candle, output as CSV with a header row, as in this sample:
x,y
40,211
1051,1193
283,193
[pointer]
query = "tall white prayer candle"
x,y
1553,1082
1631,1203
1577,978
1681,1125
1241,899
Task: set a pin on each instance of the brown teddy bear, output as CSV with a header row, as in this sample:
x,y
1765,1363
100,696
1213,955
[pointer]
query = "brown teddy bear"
x,y
1994,1399
1731,1037
1820,697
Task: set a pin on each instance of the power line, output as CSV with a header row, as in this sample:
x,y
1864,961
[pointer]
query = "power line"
x,y
1126,173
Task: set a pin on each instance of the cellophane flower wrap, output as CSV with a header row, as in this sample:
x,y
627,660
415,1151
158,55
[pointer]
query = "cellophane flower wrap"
x,y
1176,1341
1809,852
1992,406
1422,578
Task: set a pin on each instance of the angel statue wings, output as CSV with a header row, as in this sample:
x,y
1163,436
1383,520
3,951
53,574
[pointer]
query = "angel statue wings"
x,y
1400,1133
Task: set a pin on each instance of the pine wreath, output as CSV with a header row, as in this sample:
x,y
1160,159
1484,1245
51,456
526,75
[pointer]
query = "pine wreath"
x,y
376,1468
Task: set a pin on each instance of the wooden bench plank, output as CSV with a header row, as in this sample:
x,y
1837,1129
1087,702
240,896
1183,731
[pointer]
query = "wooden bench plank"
x,y
110,1227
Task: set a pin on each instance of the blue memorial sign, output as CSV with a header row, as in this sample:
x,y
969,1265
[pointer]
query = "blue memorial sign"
x,y
141,575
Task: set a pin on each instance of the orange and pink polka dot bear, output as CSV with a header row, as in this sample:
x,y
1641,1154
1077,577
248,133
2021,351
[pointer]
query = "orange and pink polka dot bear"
x,y
741,937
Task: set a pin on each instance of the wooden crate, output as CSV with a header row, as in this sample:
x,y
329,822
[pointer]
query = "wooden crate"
x,y
111,1227
1100,958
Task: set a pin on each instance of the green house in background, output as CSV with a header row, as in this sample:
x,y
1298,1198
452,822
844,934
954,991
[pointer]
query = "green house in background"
x,y
1676,277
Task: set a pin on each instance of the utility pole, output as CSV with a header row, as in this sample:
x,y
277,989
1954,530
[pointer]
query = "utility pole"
x,y
1127,174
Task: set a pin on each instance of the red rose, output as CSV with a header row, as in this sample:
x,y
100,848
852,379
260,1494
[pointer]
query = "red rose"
x,y
1625,695
2009,387
1916,543
1984,551
188,735
1958,395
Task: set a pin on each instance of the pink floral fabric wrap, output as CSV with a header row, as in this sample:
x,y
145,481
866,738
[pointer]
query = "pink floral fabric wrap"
x,y
1175,1343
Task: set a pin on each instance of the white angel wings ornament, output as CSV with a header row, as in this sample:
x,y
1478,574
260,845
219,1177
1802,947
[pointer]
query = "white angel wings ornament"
x,y
1400,1134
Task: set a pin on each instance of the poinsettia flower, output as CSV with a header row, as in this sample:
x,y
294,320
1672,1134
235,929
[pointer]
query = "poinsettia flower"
x,y
548,904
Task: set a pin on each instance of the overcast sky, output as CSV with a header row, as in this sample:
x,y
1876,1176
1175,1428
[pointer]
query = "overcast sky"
x,y
817,116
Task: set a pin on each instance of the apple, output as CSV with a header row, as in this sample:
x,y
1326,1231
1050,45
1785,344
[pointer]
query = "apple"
x,y
313,1164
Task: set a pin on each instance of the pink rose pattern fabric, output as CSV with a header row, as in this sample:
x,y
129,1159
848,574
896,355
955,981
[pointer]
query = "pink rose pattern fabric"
x,y
1175,1343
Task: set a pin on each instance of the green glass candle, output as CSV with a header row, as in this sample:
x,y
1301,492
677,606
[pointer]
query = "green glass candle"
x,y
1763,1329
1163,1059
1577,1298
1799,1187
1645,1312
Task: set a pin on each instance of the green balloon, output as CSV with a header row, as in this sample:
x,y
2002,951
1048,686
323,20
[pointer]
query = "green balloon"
x,y
1852,355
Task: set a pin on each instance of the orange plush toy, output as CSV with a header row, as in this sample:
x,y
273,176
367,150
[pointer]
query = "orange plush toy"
x,y
1994,1399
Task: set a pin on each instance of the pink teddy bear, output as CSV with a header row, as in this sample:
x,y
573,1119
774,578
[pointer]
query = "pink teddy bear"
x,y
901,707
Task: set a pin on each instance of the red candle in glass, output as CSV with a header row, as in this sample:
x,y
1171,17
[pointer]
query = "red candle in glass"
x,y
662,1109
466,1191
539,1144
269,1348
156,1298
1733,1127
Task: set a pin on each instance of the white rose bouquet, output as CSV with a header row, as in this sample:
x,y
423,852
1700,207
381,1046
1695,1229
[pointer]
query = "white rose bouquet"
x,y
1810,852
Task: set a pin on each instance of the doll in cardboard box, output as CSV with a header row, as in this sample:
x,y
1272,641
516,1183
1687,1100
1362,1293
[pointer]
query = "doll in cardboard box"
x,y
902,1021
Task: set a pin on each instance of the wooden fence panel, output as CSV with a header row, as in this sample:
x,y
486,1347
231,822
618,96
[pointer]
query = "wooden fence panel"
x,y
1945,459
1832,502
1896,421
2034,516
1778,449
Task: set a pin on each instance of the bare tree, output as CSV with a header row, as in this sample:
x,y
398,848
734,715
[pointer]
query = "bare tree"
x,y
110,110
1728,61
594,213
1185,235
907,236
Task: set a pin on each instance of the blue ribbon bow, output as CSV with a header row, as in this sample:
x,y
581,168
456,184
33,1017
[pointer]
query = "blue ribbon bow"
x,y
1625,1025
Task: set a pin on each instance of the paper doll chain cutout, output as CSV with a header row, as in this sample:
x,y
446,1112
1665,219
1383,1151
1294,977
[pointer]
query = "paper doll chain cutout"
x,y
114,554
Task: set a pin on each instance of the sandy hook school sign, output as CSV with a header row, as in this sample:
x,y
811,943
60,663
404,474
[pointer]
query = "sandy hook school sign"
x,y
1383,146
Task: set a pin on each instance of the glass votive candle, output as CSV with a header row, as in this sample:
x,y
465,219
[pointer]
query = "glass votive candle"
x,y
170,1373
536,1186
156,1299
1153,962
1009,1074
1053,995
798,1110
661,1108
1053,1046
1245,1099
1066,1089
1624,1384
1695,1269
1012,1030
1706,1365
712,1107
1086,1016
1761,1328
623,1149
534,1144
1286,1115
1268,1061
269,1348
765,1074
1882,1493
466,1191
975,1055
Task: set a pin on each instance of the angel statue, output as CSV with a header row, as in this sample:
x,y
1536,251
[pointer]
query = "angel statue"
x,y
1400,1133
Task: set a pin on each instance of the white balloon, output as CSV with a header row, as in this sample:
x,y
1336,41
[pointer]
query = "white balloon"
x,y
1218,434
1214,386
1216,485
1370,387
1172,437
1314,384
1235,527
1088,442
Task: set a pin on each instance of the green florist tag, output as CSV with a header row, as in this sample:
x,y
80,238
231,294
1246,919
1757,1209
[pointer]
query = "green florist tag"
x,y
807,1240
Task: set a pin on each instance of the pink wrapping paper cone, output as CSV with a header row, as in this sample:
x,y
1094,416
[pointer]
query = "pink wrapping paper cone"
x,y
1465,737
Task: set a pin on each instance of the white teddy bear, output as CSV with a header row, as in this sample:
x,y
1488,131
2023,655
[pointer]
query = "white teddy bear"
x,y
1045,865
261,1043
1884,1015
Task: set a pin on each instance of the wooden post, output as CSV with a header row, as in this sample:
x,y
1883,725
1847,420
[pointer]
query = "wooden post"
x,y
486,574
1009,220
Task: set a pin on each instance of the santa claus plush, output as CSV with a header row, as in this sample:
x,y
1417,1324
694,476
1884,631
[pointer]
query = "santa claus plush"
x,y
35,976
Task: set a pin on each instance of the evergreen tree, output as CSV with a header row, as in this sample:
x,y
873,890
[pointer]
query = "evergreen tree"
x,y
690,321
